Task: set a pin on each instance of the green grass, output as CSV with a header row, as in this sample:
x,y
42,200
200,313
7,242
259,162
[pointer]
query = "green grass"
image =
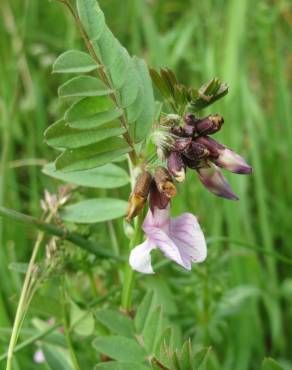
x,y
247,45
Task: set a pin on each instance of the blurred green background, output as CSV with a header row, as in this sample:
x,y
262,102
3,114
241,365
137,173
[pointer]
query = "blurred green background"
x,y
239,302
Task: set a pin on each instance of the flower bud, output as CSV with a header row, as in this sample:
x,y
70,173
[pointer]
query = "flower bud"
x,y
176,166
212,145
182,143
190,119
190,163
177,131
209,125
212,178
196,151
171,119
157,199
233,162
164,182
139,195
189,130
224,157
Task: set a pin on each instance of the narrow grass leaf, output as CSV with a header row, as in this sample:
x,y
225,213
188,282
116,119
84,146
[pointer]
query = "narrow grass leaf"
x,y
270,364
19,267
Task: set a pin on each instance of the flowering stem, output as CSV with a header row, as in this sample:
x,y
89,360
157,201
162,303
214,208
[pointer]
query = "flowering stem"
x,y
20,312
129,273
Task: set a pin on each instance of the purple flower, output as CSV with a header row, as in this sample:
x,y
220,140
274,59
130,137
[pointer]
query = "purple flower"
x,y
232,162
214,181
206,155
180,239
203,126
176,166
224,157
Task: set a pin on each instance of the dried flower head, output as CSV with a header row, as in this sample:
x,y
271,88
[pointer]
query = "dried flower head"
x,y
164,182
139,195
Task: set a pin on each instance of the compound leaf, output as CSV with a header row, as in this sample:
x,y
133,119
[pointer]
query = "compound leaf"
x,y
82,86
93,155
61,135
120,348
74,61
105,177
94,210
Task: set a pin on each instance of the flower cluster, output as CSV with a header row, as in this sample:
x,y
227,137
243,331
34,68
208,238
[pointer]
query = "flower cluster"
x,y
193,148
181,143
180,239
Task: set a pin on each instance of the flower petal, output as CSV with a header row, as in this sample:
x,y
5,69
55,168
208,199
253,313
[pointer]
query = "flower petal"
x,y
214,181
39,356
158,218
157,199
161,240
140,257
232,162
187,234
176,166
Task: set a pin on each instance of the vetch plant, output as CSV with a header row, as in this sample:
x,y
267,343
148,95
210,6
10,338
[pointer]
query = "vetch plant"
x,y
112,117
114,114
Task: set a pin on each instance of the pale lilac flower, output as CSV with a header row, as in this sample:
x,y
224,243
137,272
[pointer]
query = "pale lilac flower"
x,y
180,239
225,157
39,357
232,162
215,182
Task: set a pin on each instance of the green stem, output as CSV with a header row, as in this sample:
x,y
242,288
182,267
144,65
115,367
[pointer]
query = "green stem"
x,y
67,328
32,340
128,272
72,237
20,312
104,77
115,245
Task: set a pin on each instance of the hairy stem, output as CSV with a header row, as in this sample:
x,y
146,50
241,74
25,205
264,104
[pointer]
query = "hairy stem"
x,y
72,237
